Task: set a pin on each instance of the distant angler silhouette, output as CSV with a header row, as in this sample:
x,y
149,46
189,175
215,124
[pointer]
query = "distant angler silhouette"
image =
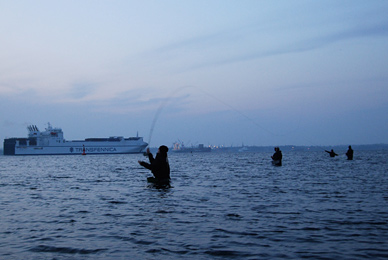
x,y
332,153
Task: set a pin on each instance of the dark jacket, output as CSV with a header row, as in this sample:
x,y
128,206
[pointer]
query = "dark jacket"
x,y
158,166
349,153
332,153
277,156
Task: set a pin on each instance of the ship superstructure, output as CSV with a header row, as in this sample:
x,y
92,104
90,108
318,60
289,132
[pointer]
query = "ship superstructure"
x,y
52,141
179,147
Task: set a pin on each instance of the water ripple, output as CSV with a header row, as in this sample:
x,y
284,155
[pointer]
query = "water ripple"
x,y
220,206
64,250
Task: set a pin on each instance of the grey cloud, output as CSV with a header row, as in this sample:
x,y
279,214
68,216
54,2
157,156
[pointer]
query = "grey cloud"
x,y
365,30
81,90
311,44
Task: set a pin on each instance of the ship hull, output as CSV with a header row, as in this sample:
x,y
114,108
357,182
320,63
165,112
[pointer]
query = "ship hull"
x,y
194,150
77,149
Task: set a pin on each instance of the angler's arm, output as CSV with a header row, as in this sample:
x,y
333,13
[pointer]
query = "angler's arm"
x,y
145,165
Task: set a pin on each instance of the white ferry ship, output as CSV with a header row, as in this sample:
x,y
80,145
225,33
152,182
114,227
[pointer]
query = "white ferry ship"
x,y
51,142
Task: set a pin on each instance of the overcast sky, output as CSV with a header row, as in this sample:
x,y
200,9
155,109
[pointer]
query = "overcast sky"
x,y
212,72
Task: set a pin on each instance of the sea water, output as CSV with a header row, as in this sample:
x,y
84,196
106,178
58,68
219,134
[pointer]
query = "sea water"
x,y
220,206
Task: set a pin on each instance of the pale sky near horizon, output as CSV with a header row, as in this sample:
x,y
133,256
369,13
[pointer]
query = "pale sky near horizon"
x,y
212,72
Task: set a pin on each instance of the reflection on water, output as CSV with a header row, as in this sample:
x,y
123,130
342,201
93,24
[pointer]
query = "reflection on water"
x,y
233,205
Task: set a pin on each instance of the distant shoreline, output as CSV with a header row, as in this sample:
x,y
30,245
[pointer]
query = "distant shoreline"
x,y
290,148
287,148
321,147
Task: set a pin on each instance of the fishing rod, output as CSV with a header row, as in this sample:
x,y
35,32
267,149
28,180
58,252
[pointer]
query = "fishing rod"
x,y
175,91
159,110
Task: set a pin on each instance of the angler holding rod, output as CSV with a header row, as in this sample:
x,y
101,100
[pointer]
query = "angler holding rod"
x,y
159,166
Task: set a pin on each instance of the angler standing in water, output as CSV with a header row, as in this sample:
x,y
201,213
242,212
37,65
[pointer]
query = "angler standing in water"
x,y
277,157
159,166
349,153
332,153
